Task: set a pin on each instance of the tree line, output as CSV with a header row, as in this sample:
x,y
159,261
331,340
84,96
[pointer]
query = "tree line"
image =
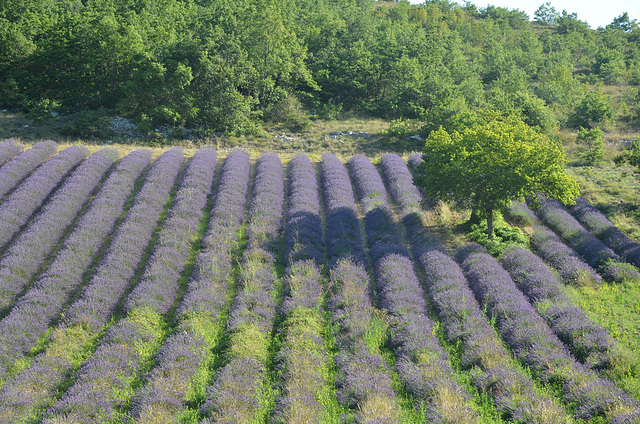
x,y
230,66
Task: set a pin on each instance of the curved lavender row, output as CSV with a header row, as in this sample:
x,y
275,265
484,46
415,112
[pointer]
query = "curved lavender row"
x,y
588,341
34,387
122,258
400,183
604,229
303,359
415,159
17,209
462,319
586,244
13,172
563,258
364,380
422,363
185,357
536,345
8,151
29,318
521,213
304,226
342,236
238,393
26,255
133,339
157,289
463,322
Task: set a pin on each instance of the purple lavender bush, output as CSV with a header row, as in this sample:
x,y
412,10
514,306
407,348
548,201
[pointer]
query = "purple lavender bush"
x,y
25,257
594,252
565,260
534,343
521,214
8,150
463,322
14,171
598,224
18,208
588,341
303,359
343,237
49,368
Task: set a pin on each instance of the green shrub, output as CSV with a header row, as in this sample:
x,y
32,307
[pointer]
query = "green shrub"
x,y
89,124
504,235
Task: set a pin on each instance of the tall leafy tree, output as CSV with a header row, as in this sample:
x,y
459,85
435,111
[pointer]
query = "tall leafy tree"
x,y
489,165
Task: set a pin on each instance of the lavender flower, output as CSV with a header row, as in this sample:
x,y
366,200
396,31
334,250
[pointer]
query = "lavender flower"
x,y
25,257
572,269
342,231
8,150
303,359
588,341
17,209
598,224
534,343
590,248
14,171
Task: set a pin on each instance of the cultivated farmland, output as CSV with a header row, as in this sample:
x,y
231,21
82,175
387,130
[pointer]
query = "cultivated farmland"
x,y
220,289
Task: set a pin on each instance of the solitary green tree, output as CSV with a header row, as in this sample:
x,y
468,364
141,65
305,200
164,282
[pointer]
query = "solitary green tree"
x,y
592,138
491,164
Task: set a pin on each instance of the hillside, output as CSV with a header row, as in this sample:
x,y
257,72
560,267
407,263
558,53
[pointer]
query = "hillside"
x,y
203,69
156,286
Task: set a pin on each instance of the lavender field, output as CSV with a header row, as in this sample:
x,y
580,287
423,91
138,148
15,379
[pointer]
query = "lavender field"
x,y
221,288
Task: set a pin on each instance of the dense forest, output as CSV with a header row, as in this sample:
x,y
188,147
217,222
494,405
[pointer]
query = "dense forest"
x,y
231,66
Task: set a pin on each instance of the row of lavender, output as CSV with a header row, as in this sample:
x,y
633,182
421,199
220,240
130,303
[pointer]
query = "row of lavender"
x,y
104,385
461,316
422,363
306,389
183,363
533,342
364,379
609,264
8,150
241,391
16,167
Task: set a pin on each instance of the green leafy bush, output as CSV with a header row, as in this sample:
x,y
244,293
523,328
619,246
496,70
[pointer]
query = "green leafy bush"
x,y
89,124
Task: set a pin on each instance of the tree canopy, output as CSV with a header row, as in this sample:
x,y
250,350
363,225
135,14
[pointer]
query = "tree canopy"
x,y
491,164
229,66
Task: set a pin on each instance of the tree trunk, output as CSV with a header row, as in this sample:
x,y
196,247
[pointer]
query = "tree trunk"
x,y
475,217
490,223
